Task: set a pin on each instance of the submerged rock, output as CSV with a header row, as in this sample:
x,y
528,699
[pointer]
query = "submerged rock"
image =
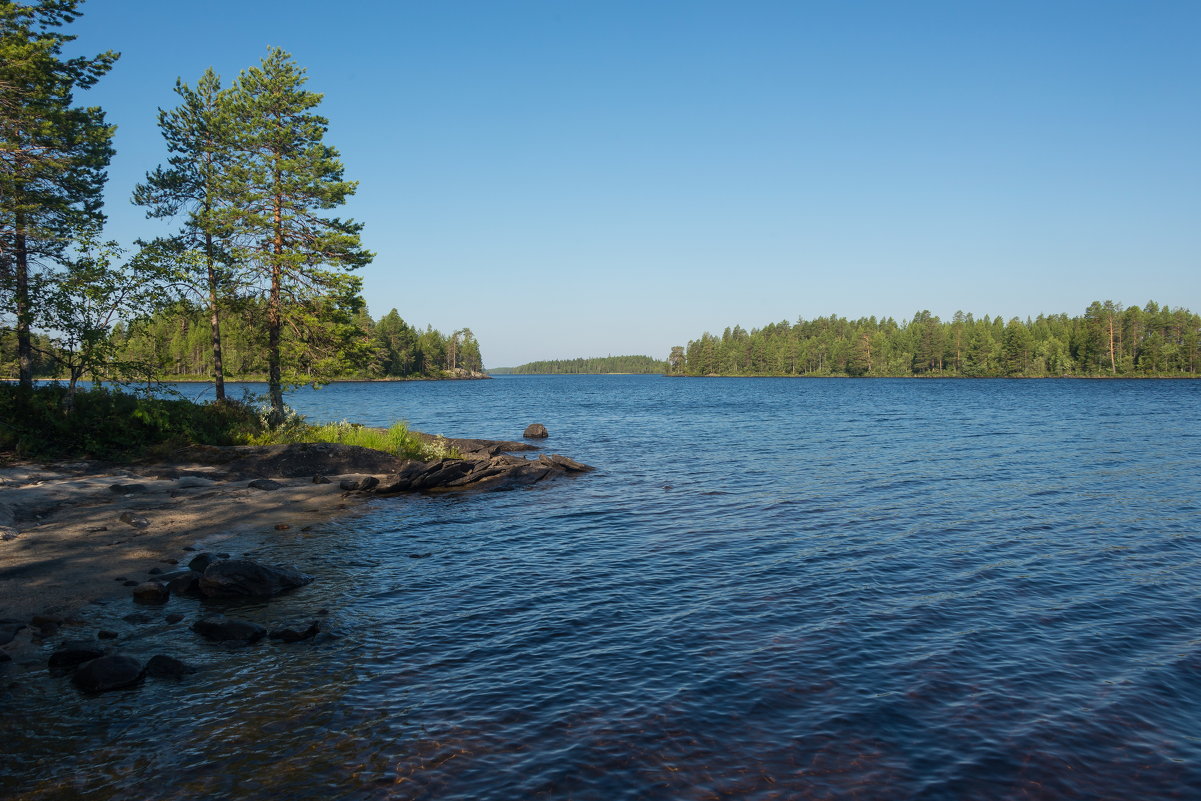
x,y
220,628
151,592
105,673
295,632
162,666
245,578
264,484
75,652
9,629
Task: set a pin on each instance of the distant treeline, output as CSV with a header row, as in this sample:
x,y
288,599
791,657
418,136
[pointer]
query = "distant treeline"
x,y
598,365
1107,340
175,342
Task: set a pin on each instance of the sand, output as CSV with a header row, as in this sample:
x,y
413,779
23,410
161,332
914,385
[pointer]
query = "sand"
x,y
63,543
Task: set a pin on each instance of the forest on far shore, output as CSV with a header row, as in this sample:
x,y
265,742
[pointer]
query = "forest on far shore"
x,y
1109,339
599,365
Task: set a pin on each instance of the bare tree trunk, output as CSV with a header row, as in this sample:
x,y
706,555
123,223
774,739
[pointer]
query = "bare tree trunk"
x,y
1113,365
214,322
275,320
24,307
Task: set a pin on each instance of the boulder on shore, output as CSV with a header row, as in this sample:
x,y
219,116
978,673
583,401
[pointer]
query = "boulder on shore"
x,y
151,592
75,652
238,578
535,431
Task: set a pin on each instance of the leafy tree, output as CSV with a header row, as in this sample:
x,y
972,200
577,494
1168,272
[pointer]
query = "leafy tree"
x,y
53,156
282,179
200,135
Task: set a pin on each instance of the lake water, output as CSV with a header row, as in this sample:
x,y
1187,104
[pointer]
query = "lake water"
x,y
770,589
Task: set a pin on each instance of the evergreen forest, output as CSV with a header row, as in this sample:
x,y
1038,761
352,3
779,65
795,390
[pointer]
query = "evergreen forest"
x,y
1107,340
256,275
600,365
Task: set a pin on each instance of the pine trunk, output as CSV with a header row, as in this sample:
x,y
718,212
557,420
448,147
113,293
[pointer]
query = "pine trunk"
x,y
24,308
215,323
275,320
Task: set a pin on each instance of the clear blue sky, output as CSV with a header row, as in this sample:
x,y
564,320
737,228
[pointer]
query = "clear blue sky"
x,y
577,178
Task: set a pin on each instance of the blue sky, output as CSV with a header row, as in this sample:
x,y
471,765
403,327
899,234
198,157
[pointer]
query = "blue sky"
x,y
577,178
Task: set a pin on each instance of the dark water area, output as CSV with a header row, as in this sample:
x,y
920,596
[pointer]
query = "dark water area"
x,y
771,589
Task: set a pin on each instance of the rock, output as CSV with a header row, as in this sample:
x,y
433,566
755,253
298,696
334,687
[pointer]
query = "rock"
x,y
320,479
95,529
45,619
126,489
296,632
9,629
189,548
162,666
105,634
155,571
194,482
364,484
264,484
186,582
425,555
282,527
138,617
74,652
8,533
4,658
130,583
535,431
105,673
174,617
220,628
242,577
137,521
151,592
201,561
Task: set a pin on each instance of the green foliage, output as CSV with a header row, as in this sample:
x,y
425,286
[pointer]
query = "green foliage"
x,y
643,365
53,158
1108,339
397,440
110,424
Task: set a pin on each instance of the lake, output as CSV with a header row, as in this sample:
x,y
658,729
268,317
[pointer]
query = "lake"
x,y
770,589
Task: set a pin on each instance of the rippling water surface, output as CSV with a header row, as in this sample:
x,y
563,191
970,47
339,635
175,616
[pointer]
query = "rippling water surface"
x,y
771,589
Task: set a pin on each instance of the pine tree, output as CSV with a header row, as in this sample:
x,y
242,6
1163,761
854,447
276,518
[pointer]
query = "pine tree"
x,y
283,177
200,137
53,156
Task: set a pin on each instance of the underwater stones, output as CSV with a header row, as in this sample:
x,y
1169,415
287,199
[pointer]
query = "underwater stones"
x,y
74,652
151,592
245,578
104,673
220,628
295,632
162,666
264,484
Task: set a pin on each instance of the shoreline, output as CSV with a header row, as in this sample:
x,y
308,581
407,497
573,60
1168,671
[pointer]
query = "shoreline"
x,y
75,536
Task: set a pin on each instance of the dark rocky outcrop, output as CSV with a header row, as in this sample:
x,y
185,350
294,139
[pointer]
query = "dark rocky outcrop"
x,y
365,484
535,431
112,672
162,666
238,578
220,628
75,652
295,632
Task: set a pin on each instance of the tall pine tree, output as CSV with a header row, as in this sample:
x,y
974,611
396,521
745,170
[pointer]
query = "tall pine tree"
x,y
283,178
200,135
53,156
